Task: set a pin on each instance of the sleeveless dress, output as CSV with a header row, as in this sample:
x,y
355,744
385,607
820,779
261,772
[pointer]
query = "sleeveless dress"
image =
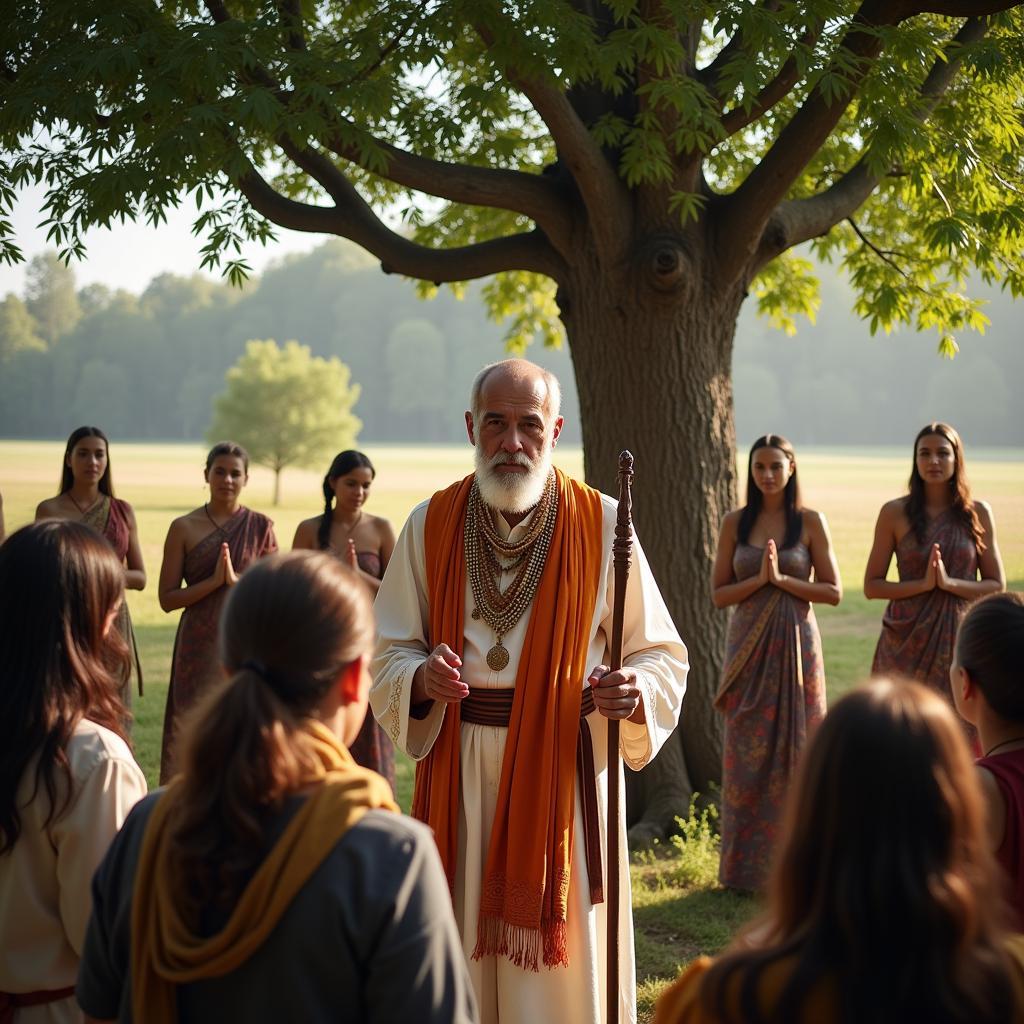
x,y
772,696
373,748
195,664
110,519
1008,769
918,632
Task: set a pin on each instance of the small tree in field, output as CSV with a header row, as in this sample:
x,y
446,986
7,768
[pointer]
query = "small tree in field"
x,y
287,407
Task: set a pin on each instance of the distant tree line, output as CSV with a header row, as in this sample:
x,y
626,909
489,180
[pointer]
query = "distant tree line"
x,y
149,366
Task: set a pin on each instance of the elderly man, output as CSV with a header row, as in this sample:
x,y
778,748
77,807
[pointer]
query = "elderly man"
x,y
496,601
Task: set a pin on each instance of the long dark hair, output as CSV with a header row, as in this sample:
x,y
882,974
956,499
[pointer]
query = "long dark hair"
x,y
960,489
990,647
790,497
67,478
59,580
884,887
344,462
288,629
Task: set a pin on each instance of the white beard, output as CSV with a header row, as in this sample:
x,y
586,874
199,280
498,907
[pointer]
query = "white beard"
x,y
511,492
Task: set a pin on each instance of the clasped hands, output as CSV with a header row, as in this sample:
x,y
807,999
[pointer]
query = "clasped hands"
x,y
616,694
935,575
770,573
224,574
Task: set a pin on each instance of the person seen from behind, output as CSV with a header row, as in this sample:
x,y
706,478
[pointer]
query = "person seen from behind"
x,y
987,678
884,901
67,775
274,880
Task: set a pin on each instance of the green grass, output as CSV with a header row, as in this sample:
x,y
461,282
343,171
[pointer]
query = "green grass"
x,y
679,910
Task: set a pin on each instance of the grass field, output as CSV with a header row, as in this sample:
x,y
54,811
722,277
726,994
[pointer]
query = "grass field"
x,y
679,911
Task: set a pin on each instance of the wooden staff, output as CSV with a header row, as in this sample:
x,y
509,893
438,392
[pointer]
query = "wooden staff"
x,y
622,551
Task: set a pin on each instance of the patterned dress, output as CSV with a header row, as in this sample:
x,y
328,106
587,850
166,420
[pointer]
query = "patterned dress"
x,y
110,518
772,695
373,748
918,632
195,665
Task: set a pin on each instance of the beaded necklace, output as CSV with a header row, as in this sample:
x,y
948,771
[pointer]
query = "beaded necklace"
x,y
488,555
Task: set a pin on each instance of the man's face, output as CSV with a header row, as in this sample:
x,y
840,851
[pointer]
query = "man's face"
x,y
513,432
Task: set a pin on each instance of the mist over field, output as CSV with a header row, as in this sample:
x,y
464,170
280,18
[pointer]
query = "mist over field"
x,y
148,366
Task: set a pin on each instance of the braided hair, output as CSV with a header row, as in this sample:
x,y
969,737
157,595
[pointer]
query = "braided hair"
x,y
344,462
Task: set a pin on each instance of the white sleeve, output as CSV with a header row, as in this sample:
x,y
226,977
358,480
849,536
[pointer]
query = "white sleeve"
x,y
651,645
403,621
83,833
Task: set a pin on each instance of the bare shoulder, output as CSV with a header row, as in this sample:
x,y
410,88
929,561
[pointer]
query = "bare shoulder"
x,y
984,510
181,526
894,513
49,508
815,520
815,524
305,533
730,522
380,525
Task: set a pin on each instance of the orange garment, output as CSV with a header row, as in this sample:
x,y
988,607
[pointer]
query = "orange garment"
x,y
526,880
681,1003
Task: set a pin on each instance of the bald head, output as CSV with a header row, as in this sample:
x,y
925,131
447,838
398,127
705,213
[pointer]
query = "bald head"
x,y
519,374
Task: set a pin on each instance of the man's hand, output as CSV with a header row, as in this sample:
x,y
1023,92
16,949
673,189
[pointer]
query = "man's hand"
x,y
438,678
616,694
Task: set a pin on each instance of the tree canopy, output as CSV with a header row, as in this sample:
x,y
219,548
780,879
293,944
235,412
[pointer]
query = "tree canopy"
x,y
286,407
498,131
632,168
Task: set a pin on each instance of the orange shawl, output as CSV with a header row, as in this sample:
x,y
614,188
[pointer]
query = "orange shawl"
x,y
526,877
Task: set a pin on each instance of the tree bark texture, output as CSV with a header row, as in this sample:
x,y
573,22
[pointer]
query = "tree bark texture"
x,y
653,372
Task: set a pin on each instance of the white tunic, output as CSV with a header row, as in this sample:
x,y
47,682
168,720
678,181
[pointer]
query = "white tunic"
x,y
650,644
46,879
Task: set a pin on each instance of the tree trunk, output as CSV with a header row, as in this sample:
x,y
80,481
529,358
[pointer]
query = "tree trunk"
x,y
665,369
277,485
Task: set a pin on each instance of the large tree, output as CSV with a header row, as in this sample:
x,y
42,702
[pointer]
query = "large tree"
x,y
632,167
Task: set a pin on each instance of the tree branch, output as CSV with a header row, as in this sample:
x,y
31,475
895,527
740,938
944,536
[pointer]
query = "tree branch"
x,y
885,255
604,196
798,220
290,12
959,8
535,197
353,218
710,76
777,89
745,213
529,194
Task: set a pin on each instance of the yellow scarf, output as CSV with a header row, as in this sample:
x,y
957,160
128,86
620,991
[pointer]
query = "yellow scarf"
x,y
525,890
165,953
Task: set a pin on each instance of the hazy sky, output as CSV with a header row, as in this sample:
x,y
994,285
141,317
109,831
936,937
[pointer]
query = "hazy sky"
x,y
131,255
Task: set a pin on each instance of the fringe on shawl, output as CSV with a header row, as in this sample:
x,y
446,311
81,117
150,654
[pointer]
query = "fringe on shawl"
x,y
521,944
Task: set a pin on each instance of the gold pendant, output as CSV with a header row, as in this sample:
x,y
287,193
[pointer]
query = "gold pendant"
x,y
497,657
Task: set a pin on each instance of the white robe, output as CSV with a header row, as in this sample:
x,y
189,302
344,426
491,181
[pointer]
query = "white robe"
x,y
651,645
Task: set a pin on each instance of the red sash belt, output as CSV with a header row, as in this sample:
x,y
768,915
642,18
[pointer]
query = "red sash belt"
x,y
11,1001
493,706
